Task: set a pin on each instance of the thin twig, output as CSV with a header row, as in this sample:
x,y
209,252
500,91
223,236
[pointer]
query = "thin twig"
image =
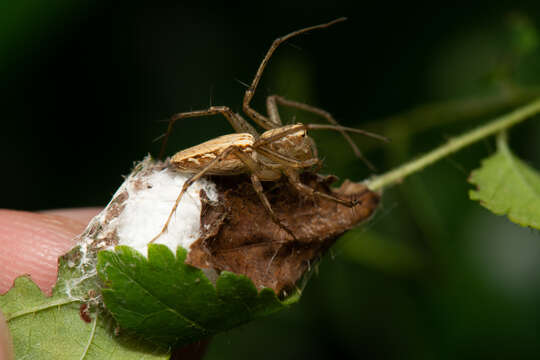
x,y
395,176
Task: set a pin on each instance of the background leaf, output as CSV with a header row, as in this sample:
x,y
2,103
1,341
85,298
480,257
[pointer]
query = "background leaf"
x,y
52,328
164,300
508,186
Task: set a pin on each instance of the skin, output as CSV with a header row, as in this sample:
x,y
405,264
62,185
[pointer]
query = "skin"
x,y
30,243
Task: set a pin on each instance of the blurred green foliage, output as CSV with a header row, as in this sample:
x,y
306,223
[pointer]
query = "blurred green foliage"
x,y
432,275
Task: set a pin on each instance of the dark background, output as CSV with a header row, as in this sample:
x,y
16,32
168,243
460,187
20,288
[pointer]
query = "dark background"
x,y
86,86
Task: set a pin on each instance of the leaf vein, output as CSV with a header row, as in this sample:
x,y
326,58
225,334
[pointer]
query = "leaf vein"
x,y
192,322
90,338
36,309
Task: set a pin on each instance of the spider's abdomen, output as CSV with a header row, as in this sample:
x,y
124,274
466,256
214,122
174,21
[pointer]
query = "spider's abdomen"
x,y
196,158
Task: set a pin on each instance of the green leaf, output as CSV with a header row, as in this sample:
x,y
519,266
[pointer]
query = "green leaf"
x,y
51,327
508,186
164,300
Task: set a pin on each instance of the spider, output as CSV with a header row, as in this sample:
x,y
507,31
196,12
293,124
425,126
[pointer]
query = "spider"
x,y
280,151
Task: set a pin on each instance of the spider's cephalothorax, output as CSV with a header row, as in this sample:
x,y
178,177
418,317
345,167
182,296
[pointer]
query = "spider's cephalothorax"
x,y
296,145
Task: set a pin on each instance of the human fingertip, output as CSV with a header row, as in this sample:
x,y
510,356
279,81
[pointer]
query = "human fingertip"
x,y
31,244
83,214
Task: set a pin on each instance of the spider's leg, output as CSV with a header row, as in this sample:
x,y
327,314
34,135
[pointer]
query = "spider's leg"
x,y
274,100
239,124
269,122
188,183
294,179
257,186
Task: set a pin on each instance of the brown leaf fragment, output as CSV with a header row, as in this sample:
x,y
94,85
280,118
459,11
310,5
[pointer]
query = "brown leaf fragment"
x,y
238,235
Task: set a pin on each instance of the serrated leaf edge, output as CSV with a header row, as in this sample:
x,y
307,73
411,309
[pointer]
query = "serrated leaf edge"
x,y
504,151
9,316
511,158
194,323
290,299
104,262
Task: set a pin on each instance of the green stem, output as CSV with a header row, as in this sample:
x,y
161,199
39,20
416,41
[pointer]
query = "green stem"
x,y
397,175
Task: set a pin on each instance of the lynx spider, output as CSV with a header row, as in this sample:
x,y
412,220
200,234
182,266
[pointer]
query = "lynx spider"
x,y
282,150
